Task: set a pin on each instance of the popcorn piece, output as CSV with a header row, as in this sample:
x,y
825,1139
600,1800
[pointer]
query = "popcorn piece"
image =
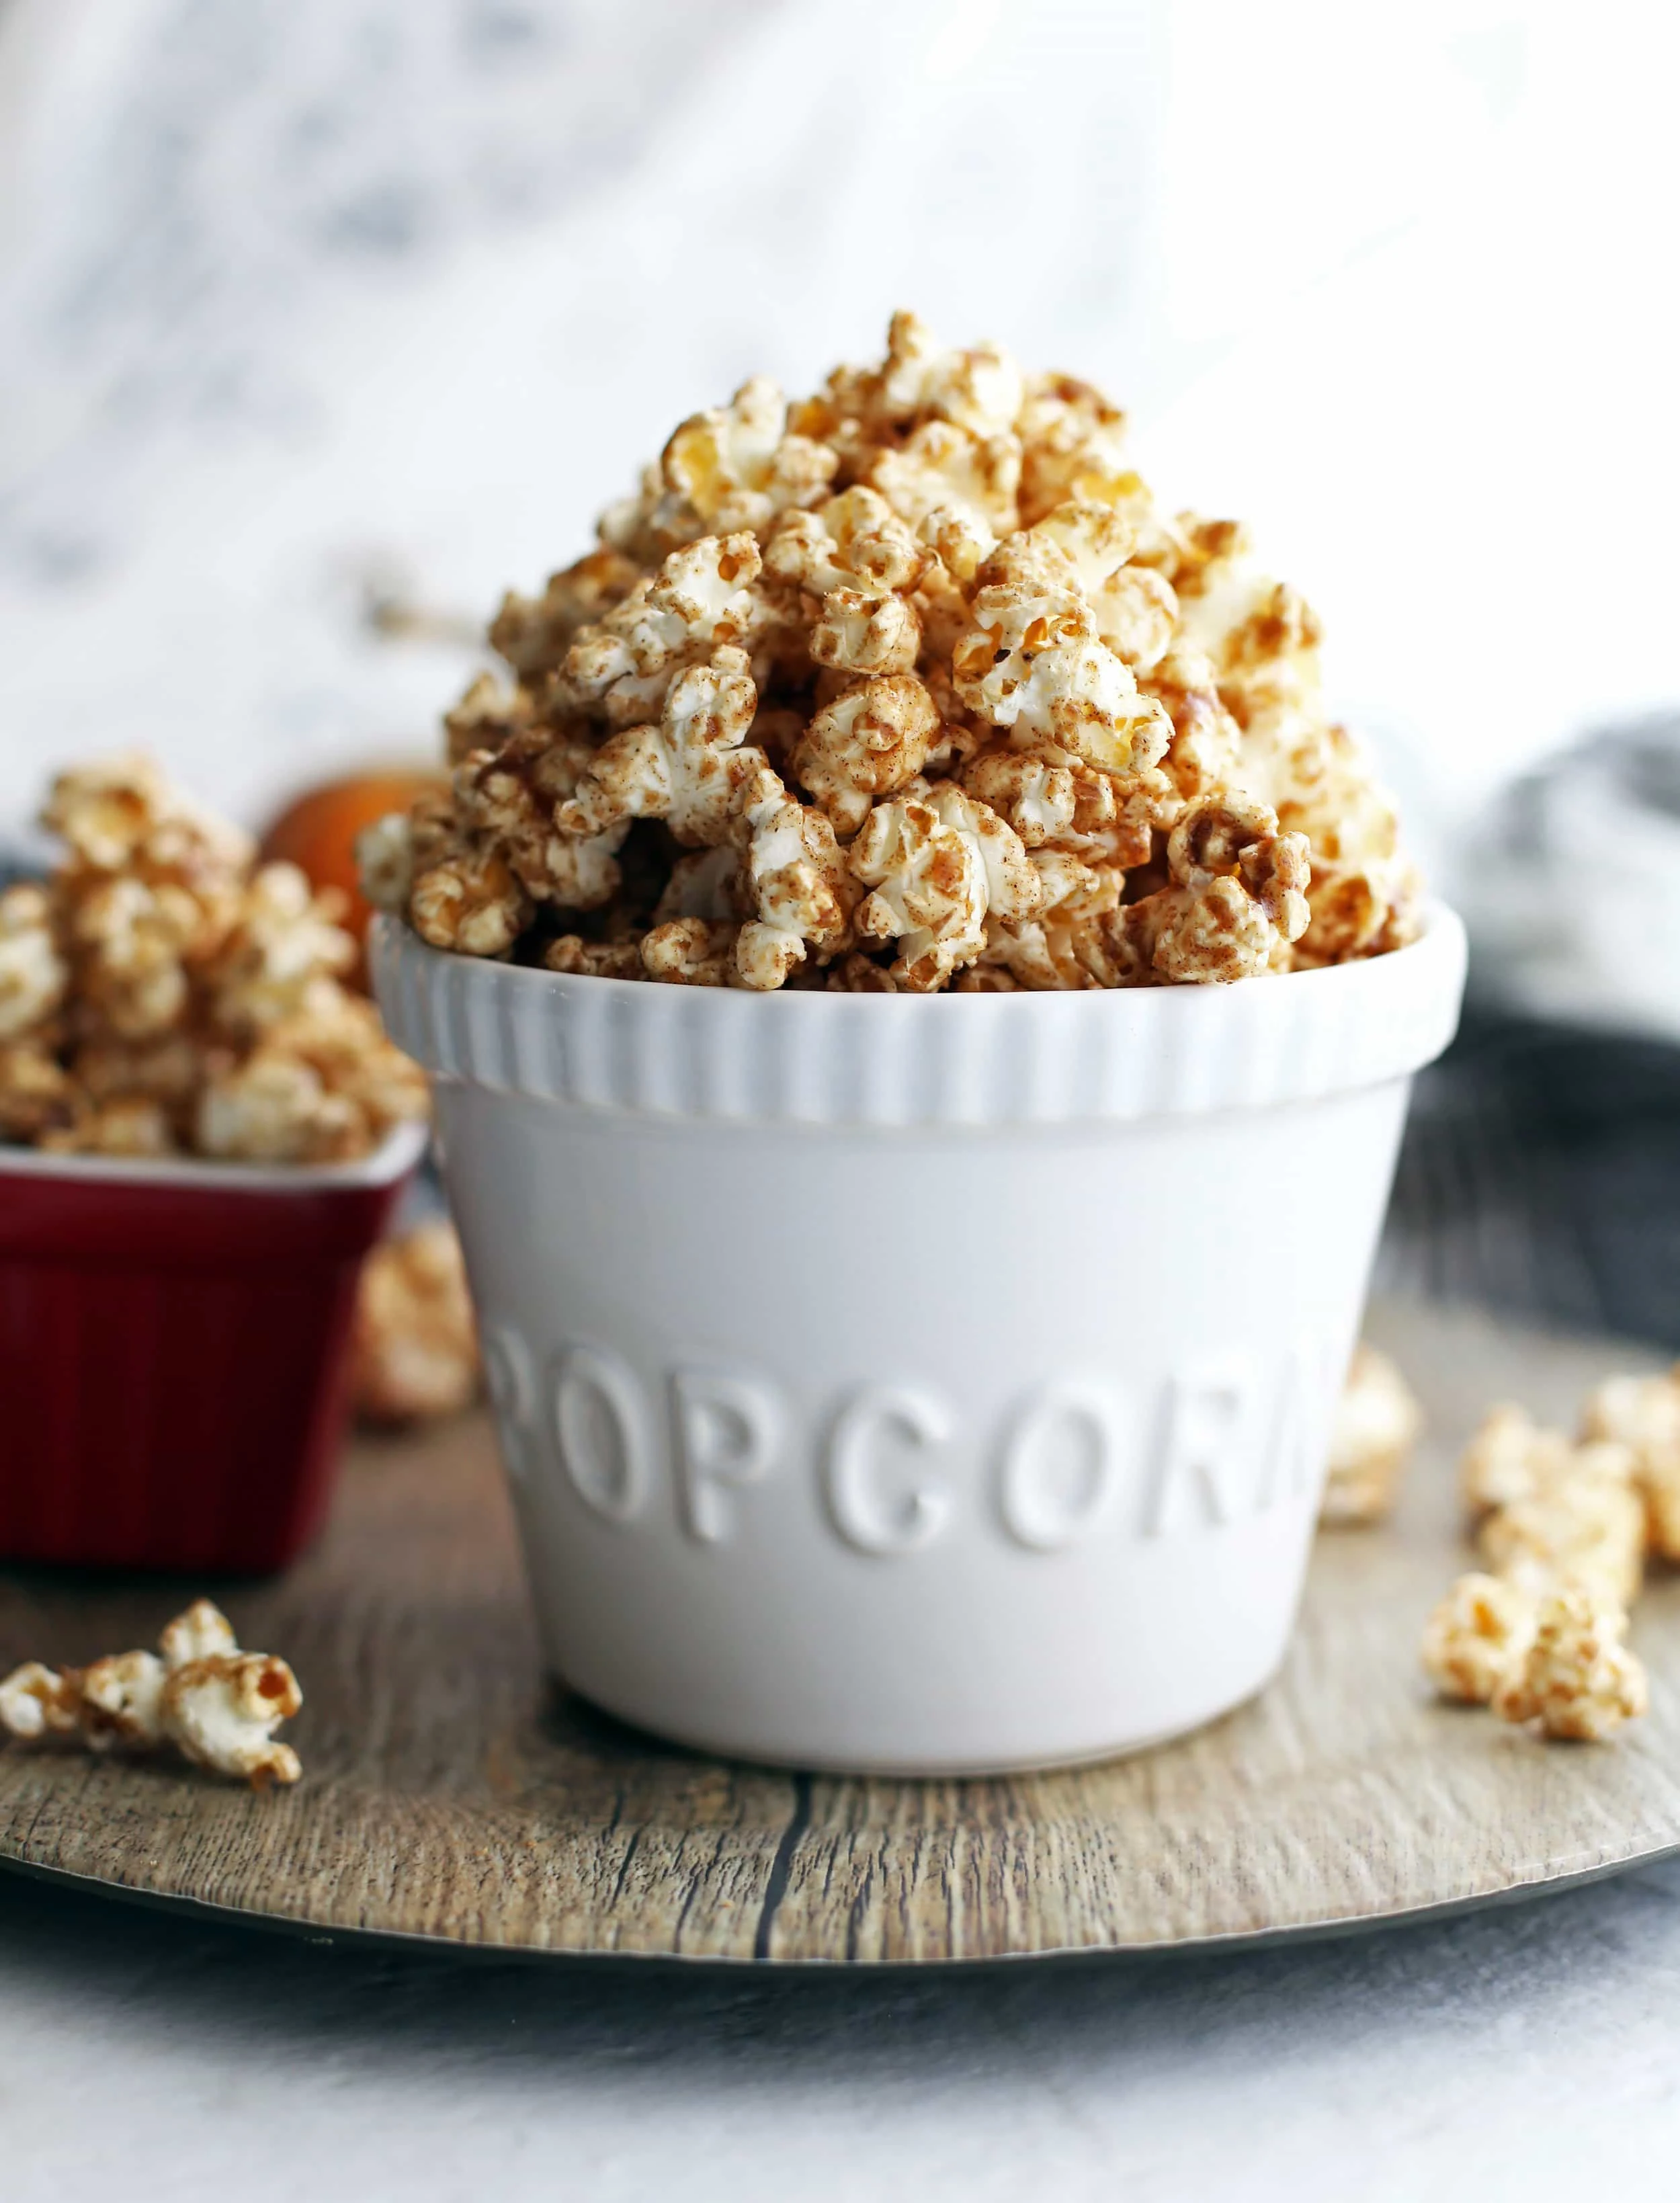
x,y
36,1093
960,543
855,541
1509,1459
939,467
872,739
533,635
130,944
217,1705
1261,635
1032,662
797,878
1377,1423
340,1038
33,976
857,974
511,800
469,899
221,1713
1204,751
384,861
488,715
693,952
1133,608
1576,1677
414,1351
271,1108
980,390
202,1632
1237,900
1644,1414
1586,1528
688,771
594,960
323,1085
165,1071
938,866
1476,1640
286,940
731,468
35,1702
1072,442
131,1124
122,1700
701,597
855,556
119,814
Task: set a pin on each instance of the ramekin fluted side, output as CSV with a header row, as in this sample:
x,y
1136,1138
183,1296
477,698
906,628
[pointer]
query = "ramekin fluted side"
x,y
713,1055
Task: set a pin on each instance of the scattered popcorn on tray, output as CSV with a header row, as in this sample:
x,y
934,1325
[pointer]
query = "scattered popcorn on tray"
x,y
218,1706
1477,1638
162,993
1377,1421
1564,1525
1644,1414
415,1348
920,670
1575,1678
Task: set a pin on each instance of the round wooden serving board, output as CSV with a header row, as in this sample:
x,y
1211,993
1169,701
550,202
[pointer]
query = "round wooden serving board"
x,y
450,1793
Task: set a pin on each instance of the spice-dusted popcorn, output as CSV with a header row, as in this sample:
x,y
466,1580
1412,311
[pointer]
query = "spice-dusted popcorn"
x,y
1564,1525
216,1706
33,975
939,865
162,993
1576,1677
1476,1639
1588,1527
1042,734
414,1351
1377,1420
1644,1414
1509,1458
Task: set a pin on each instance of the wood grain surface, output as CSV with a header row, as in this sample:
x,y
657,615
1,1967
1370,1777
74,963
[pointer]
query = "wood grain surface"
x,y
449,1792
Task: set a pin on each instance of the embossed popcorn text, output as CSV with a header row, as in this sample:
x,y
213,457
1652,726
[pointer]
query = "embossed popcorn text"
x,y
890,1464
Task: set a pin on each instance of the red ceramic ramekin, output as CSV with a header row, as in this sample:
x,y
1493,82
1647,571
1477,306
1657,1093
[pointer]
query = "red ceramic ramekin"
x,y
173,1343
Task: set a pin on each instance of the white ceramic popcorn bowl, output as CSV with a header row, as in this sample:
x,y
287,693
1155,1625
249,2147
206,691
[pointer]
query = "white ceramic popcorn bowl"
x,y
918,1386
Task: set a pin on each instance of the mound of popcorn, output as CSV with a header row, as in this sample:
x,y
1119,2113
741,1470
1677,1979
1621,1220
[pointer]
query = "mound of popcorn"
x,y
1564,1527
163,994
216,1706
906,686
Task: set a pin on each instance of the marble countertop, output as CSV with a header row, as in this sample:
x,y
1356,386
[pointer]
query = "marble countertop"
x,y
1528,2050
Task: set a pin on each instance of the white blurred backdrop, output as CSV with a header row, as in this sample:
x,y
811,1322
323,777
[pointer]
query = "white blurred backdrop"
x,y
309,304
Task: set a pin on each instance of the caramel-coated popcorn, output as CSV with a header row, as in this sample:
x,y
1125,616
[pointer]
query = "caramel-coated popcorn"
x,y
1564,1525
1475,1640
161,995
414,1350
1377,1420
1042,733
217,1706
33,975
1644,1414
1576,1677
1509,1458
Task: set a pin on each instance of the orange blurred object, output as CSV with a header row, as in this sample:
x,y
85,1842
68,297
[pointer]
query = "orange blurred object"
x,y
318,832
